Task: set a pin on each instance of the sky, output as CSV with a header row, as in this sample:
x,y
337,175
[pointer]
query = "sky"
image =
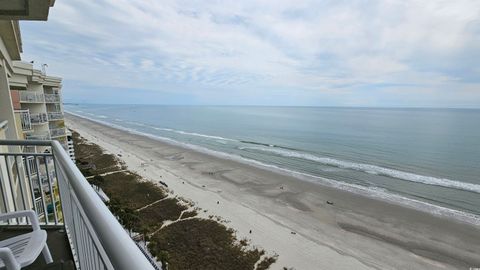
x,y
406,53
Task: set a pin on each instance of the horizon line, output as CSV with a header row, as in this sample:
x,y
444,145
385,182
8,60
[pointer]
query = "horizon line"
x,y
262,105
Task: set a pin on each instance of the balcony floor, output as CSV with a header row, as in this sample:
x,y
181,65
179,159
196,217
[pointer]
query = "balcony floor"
x,y
57,243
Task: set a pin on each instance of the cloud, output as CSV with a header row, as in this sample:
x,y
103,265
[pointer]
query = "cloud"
x,y
282,50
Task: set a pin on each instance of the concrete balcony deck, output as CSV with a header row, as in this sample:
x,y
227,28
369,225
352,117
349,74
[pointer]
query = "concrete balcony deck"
x,y
57,242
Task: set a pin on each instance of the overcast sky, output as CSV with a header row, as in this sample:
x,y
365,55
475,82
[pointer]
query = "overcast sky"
x,y
326,53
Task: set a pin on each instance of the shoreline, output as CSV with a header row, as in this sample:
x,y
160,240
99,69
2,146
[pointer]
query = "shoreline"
x,y
422,206
291,217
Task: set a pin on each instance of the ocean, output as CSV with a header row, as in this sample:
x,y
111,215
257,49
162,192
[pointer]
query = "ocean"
x,y
423,158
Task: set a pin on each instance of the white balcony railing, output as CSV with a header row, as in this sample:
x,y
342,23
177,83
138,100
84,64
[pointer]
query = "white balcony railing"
x,y
52,98
31,97
57,132
43,136
96,238
25,119
53,116
38,118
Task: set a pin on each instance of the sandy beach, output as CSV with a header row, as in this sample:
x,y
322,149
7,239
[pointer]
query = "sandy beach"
x,y
290,217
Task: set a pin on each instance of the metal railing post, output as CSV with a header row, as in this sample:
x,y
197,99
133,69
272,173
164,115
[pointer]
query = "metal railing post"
x,y
27,167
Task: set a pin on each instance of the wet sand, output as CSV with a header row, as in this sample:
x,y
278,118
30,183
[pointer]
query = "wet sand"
x,y
291,217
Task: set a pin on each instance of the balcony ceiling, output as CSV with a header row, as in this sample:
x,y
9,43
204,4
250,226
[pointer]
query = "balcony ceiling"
x,y
25,9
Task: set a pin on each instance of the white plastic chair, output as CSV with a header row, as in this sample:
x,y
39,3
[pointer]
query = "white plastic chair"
x,y
23,250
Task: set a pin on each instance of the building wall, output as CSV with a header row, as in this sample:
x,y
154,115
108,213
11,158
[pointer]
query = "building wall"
x,y
10,126
15,100
6,108
5,200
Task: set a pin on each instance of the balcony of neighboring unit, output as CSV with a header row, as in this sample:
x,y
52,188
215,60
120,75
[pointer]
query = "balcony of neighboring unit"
x,y
43,136
29,149
52,98
57,132
38,118
81,232
25,119
55,116
31,97
25,9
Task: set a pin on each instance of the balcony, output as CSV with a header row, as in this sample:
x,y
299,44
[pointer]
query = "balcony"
x,y
25,119
57,132
31,97
43,136
69,209
54,116
38,118
52,98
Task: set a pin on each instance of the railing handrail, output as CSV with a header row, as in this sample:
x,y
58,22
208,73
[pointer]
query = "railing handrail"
x,y
22,111
120,248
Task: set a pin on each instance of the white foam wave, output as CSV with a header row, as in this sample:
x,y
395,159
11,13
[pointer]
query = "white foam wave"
x,y
203,135
185,132
195,134
372,192
376,170
165,129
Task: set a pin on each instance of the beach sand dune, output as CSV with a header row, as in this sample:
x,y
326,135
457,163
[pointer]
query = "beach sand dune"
x,y
291,217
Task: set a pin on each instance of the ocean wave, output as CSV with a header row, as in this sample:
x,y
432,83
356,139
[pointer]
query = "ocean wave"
x,y
203,135
195,134
375,170
372,192
165,129
258,143
267,144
